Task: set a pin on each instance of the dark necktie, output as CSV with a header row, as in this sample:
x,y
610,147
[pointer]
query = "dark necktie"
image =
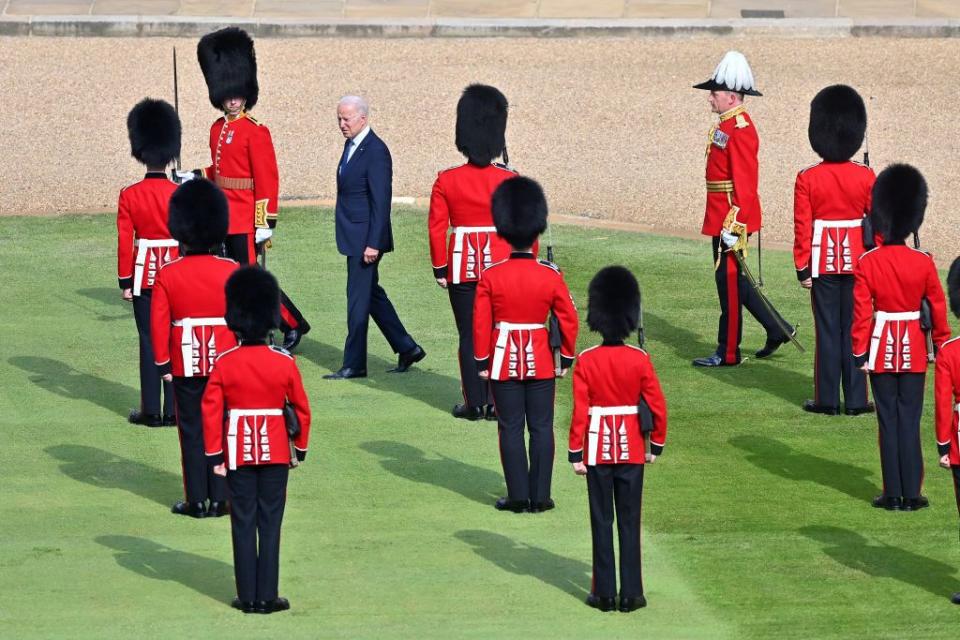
x,y
346,154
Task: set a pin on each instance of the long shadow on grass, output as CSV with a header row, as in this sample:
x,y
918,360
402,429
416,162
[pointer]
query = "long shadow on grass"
x,y
419,384
104,296
106,470
472,482
851,549
62,379
781,460
763,375
569,576
150,559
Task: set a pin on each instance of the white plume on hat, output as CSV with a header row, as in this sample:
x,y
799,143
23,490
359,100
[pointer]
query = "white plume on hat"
x,y
734,72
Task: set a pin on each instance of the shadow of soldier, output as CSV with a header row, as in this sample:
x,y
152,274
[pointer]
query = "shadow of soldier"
x,y
106,470
754,374
418,384
779,459
208,577
570,576
852,550
404,461
63,380
105,297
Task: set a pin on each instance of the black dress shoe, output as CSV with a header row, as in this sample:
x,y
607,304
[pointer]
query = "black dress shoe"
x,y
859,411
955,598
146,419
915,504
467,413
516,506
890,503
218,509
772,344
408,359
812,407
491,412
246,607
714,360
604,604
291,339
270,606
632,604
169,421
345,373
540,507
192,509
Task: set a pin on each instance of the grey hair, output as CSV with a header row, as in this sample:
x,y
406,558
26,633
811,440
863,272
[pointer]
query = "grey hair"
x,y
356,101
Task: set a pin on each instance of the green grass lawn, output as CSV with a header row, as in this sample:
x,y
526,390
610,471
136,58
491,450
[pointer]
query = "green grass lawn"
x,y
757,520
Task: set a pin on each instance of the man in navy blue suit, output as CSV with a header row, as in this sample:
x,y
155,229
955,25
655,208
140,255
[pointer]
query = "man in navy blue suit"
x,y
364,235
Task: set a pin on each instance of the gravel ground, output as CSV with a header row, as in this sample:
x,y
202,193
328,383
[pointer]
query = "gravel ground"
x,y
610,126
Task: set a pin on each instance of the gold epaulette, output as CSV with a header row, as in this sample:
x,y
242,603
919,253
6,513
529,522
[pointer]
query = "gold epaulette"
x,y
741,122
253,120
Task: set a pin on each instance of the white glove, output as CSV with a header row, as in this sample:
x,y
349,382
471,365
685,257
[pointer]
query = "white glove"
x,y
263,235
185,176
728,239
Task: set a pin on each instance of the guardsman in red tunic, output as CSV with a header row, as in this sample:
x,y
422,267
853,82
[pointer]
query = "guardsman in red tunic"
x,y
460,202
606,442
189,331
244,163
512,347
891,283
144,243
252,393
830,201
733,210
947,395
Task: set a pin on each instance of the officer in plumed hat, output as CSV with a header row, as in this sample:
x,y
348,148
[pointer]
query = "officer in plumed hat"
x,y
460,203
244,163
831,199
144,243
891,285
189,330
733,211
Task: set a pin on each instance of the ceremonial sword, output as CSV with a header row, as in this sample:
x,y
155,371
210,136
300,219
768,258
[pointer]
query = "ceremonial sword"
x,y
787,330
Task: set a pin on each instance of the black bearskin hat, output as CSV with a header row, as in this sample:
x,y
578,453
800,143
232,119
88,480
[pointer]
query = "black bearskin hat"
x,y
199,214
519,211
229,66
953,287
154,129
253,302
613,310
899,201
481,123
838,121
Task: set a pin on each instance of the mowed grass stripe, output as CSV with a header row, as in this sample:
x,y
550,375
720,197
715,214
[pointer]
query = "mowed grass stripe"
x,y
756,520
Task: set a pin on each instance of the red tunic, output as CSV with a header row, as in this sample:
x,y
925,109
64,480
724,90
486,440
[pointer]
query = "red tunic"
x,y
242,407
893,279
190,291
509,311
608,382
245,167
947,396
461,199
830,200
732,172
142,216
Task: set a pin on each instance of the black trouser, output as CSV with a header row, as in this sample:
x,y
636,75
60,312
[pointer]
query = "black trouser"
x,y
616,487
240,247
475,391
735,292
150,380
832,299
366,299
258,495
529,402
899,400
956,484
199,481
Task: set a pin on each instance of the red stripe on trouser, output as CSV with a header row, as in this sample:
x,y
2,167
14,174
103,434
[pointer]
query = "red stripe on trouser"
x,y
251,249
733,310
286,316
816,351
